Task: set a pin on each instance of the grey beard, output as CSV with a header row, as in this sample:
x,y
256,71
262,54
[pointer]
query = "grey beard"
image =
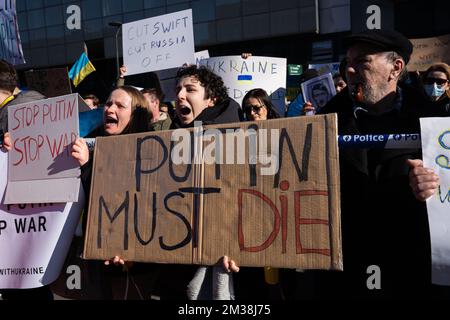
x,y
371,95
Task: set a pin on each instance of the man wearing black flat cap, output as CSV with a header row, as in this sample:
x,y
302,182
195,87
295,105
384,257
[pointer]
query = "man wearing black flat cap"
x,y
385,235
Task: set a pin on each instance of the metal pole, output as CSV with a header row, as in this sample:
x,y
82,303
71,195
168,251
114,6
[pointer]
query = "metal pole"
x,y
117,52
316,5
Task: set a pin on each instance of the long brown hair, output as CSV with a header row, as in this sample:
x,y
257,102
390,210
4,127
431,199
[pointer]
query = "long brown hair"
x,y
140,116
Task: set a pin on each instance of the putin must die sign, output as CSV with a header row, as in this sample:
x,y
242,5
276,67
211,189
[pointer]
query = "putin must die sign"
x,y
264,193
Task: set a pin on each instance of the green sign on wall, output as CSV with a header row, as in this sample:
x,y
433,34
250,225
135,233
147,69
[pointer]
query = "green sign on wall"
x,y
295,69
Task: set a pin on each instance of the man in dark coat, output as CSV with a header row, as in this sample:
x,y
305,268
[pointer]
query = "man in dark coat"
x,y
385,233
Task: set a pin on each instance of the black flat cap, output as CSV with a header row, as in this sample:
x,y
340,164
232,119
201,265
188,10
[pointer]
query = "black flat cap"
x,y
387,40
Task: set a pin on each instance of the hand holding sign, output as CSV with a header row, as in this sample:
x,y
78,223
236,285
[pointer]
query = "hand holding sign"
x,y
7,142
308,109
118,261
80,151
229,264
123,71
423,181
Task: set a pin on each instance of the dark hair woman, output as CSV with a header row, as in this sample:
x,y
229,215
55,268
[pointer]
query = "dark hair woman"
x,y
258,106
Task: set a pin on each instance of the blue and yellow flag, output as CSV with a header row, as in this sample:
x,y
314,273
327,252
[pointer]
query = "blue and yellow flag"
x,y
245,79
81,69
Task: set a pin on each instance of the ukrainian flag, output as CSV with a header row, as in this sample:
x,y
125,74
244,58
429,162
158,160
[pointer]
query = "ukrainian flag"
x,y
245,79
81,69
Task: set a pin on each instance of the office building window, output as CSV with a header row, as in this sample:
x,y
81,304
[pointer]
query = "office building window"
x,y
176,1
54,16
21,5
93,29
148,4
111,7
91,9
37,38
22,20
205,33
35,4
36,19
55,35
130,6
228,8
133,16
250,7
49,3
177,7
203,10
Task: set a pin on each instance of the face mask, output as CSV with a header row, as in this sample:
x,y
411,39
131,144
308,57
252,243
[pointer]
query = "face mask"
x,y
433,91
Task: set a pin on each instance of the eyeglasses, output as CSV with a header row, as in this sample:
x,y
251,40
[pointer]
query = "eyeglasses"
x,y
256,109
439,82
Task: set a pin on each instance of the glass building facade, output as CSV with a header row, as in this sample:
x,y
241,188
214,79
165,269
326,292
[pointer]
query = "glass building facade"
x,y
48,39
222,26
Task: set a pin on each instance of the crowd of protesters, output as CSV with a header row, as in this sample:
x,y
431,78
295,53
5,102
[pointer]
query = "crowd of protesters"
x,y
384,217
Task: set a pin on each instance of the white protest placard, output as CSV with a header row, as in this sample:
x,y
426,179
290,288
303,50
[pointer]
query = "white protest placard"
x,y
34,239
319,90
158,43
324,68
241,75
201,55
167,78
10,44
41,167
435,134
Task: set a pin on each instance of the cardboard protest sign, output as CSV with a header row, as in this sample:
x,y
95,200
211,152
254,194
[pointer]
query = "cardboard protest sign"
x,y
435,133
34,239
319,90
158,43
41,167
264,193
10,44
429,51
167,78
50,82
241,75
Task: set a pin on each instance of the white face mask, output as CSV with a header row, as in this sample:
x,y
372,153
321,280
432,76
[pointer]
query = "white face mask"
x,y
434,91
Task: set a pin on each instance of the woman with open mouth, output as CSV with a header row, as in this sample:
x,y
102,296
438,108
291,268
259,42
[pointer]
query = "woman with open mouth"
x,y
125,112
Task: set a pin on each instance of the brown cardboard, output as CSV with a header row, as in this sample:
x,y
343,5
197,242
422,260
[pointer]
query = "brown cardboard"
x,y
237,215
50,82
429,51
